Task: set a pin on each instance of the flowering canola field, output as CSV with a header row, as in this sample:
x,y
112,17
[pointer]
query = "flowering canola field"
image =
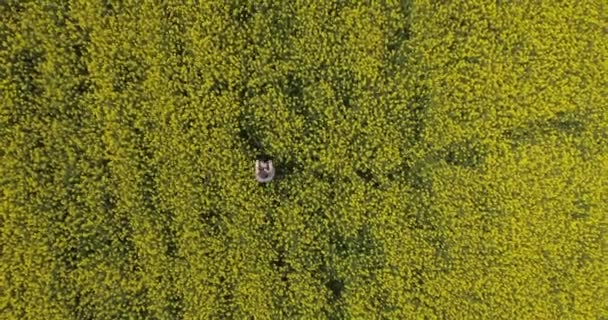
x,y
434,159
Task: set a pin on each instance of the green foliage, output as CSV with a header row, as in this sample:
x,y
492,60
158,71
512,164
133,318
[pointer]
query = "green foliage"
x,y
435,159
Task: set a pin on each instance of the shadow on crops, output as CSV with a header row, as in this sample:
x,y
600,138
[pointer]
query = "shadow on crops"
x,y
129,72
175,306
24,66
169,235
242,12
288,168
416,119
335,287
250,137
418,175
333,283
12,7
293,88
148,189
414,170
82,306
569,123
362,244
582,209
398,38
397,52
467,154
367,176
329,177
225,298
282,267
109,8
211,221
219,87
577,126
343,84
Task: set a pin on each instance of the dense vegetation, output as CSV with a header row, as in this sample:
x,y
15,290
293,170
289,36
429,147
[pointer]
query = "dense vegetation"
x,y
435,159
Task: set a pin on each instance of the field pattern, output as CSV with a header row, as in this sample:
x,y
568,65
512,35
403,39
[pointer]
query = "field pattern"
x,y
435,159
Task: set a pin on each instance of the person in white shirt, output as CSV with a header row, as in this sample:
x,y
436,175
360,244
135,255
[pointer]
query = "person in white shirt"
x,y
264,170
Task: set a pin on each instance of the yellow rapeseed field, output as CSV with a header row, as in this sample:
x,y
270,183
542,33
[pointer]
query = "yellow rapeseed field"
x,y
434,159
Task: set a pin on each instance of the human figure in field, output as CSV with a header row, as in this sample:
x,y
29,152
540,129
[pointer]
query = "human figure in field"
x,y
264,170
